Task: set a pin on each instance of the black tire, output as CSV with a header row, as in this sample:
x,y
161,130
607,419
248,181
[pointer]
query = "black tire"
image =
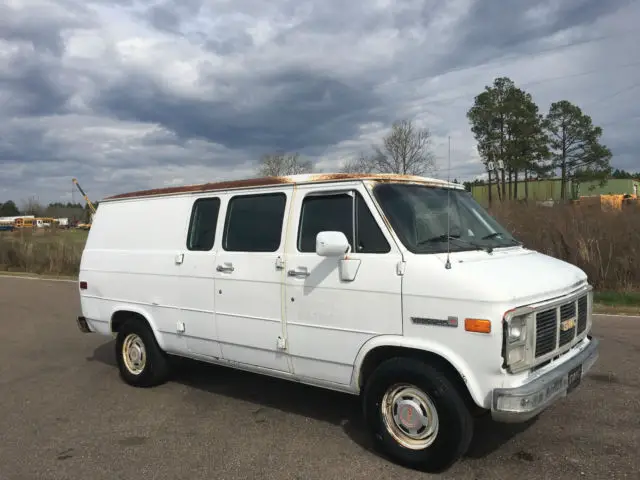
x,y
156,366
455,422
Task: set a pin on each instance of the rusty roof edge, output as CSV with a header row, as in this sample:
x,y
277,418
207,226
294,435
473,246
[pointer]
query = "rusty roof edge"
x,y
279,180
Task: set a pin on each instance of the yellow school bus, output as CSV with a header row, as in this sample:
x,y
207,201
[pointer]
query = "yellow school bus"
x,y
24,222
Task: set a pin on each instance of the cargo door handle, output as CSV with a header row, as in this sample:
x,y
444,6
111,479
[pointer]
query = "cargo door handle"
x,y
228,267
299,272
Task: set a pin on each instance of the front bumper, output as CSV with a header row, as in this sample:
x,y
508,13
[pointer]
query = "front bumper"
x,y
516,405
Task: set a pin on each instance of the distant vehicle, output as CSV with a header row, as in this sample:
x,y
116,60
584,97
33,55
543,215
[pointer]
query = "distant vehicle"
x,y
13,219
42,222
27,221
400,289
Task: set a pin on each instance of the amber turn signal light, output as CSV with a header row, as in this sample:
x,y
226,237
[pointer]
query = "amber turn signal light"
x,y
478,325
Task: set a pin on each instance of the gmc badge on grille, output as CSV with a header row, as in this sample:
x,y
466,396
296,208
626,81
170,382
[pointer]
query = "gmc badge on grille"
x,y
567,324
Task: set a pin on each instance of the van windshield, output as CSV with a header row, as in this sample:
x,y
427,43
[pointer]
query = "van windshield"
x,y
418,214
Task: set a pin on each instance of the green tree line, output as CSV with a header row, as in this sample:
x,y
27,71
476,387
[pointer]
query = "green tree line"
x,y
73,211
515,141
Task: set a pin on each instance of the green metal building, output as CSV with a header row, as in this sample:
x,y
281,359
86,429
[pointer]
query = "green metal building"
x,y
549,189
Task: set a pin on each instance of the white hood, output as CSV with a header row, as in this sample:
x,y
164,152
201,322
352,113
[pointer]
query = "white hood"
x,y
514,275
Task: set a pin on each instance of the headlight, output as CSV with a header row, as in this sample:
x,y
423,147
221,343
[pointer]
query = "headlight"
x,y
517,348
517,329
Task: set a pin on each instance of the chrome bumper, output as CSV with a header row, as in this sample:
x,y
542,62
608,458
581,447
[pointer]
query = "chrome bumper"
x,y
516,405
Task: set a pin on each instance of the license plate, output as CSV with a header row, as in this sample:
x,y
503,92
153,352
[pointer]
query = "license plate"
x,y
574,378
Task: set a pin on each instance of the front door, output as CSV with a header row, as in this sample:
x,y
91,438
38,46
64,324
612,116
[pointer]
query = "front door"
x,y
329,317
249,277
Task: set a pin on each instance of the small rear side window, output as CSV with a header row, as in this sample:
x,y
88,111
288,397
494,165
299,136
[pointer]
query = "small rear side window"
x,y
202,226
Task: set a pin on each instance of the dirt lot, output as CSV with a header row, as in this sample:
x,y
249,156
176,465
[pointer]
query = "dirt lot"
x,y
66,414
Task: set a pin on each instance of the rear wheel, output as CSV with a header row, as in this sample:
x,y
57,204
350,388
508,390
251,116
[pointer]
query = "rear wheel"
x,y
416,415
141,361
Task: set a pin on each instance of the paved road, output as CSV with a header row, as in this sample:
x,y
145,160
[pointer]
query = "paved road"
x,y
67,415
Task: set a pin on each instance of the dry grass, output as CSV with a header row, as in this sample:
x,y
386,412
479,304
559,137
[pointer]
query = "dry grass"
x,y
43,252
605,244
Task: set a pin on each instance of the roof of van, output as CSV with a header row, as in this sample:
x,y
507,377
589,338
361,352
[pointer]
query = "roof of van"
x,y
289,179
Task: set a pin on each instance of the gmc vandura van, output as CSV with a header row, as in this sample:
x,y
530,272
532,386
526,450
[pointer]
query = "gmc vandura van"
x,y
400,289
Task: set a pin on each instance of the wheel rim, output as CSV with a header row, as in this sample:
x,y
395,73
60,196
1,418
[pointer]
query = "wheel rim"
x,y
410,416
134,354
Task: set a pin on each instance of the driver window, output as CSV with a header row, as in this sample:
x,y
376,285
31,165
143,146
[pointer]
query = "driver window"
x,y
336,212
324,212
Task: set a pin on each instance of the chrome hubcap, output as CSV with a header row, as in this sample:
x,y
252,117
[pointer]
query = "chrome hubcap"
x,y
410,416
134,353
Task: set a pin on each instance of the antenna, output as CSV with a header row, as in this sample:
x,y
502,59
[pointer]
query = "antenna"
x,y
448,264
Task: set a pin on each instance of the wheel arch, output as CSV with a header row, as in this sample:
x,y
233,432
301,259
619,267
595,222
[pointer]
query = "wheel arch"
x,y
122,313
380,349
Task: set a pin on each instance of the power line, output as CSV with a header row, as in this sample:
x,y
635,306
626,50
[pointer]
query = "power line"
x,y
615,94
514,56
451,100
619,120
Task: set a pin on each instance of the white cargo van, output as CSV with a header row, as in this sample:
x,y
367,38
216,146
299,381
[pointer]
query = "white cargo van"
x,y
400,289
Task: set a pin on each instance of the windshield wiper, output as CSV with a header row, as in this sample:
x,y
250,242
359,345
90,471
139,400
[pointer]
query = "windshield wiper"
x,y
444,237
498,234
491,235
440,238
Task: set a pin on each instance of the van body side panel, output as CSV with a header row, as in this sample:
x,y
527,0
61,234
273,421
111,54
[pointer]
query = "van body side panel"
x,y
248,286
429,324
328,319
129,262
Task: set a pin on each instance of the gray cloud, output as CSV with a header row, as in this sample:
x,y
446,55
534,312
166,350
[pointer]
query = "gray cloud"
x,y
134,94
34,85
169,14
43,25
490,30
290,120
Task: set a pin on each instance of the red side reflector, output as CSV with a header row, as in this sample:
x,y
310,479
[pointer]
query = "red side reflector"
x,y
83,285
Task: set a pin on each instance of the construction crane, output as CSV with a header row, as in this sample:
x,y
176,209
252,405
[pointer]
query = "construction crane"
x,y
86,199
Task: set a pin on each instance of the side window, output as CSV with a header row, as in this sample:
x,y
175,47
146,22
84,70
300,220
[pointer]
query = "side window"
x,y
369,237
254,223
321,213
202,226
336,212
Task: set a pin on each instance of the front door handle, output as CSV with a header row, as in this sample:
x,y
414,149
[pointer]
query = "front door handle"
x,y
299,272
227,267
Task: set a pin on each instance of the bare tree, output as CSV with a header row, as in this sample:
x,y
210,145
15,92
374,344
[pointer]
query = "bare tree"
x,y
32,206
279,164
360,164
405,150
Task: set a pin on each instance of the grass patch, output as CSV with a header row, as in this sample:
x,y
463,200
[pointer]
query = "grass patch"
x,y
622,303
46,252
35,275
623,299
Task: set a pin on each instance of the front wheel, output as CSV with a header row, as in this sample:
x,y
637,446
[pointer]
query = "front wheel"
x,y
416,415
141,361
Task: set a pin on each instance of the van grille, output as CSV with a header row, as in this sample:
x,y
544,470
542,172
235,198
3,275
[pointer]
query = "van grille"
x,y
582,314
546,331
549,336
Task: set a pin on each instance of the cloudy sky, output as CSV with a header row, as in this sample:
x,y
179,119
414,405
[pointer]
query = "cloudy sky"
x,y
128,94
